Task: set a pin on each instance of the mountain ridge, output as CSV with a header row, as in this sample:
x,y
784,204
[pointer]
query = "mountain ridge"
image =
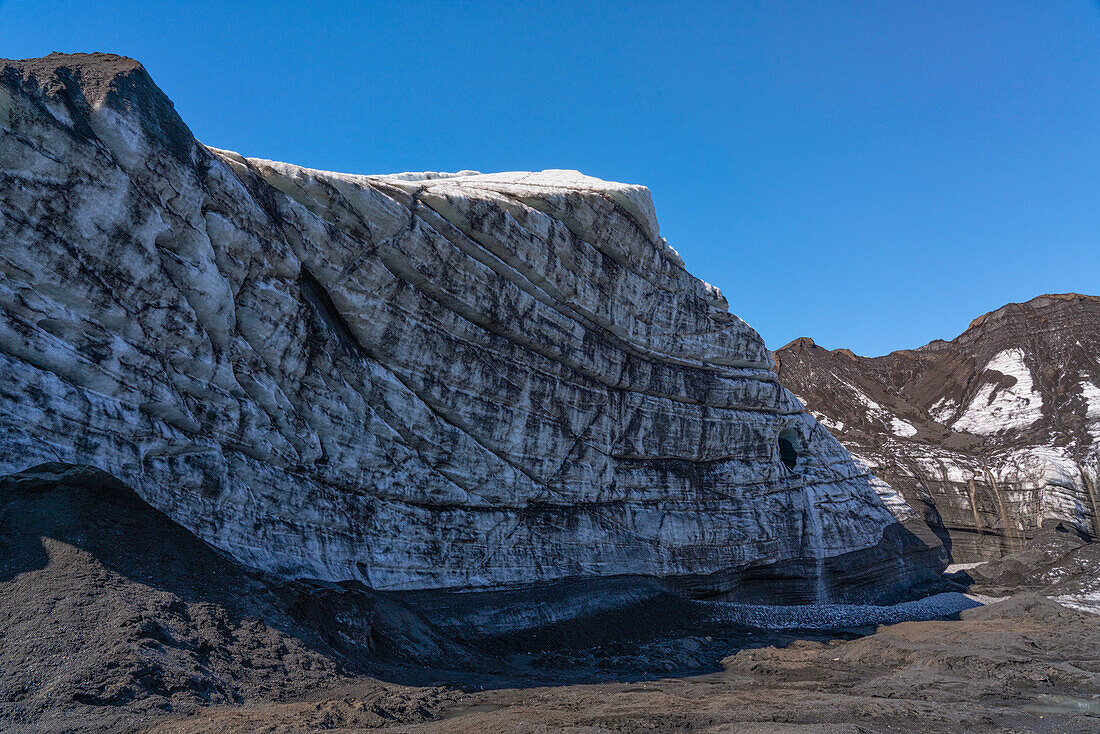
x,y
935,343
1010,402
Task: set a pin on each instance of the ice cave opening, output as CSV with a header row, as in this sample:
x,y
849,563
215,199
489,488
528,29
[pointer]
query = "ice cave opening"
x,y
788,447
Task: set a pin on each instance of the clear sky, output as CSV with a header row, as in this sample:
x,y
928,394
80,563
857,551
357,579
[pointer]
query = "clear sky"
x,y
871,174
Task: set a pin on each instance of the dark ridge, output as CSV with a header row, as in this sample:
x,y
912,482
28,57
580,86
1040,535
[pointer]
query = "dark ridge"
x,y
1044,301
82,81
1037,302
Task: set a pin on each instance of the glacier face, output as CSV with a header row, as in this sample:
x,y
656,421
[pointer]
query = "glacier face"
x,y
418,380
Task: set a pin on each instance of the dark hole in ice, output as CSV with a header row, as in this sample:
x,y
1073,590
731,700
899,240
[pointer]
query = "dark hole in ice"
x,y
788,451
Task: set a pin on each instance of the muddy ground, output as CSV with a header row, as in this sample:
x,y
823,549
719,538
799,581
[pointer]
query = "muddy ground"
x,y
113,618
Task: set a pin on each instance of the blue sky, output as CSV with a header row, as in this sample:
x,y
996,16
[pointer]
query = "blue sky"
x,y
870,174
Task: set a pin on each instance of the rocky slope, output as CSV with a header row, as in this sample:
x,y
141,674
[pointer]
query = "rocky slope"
x,y
991,435
417,381
112,614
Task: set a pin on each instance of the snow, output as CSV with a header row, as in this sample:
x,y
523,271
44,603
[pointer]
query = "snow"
x,y
824,420
994,410
1091,393
1081,602
875,410
944,408
635,199
429,175
902,428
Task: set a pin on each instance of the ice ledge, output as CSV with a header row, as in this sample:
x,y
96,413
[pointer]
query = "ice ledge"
x,y
635,199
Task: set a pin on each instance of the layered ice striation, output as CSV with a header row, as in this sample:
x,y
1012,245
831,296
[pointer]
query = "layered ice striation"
x,y
419,381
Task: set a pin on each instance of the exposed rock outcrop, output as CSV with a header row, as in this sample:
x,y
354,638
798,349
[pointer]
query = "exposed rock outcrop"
x,y
417,381
991,435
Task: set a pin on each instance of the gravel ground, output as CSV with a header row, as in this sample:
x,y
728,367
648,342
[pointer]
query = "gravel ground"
x,y
844,616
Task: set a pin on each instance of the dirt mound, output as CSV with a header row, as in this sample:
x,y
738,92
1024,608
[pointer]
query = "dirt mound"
x,y
1032,607
1056,561
109,611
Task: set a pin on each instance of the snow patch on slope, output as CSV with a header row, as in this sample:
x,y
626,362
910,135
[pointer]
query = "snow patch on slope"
x,y
1081,602
902,428
635,199
1091,393
875,411
836,426
942,411
1014,407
